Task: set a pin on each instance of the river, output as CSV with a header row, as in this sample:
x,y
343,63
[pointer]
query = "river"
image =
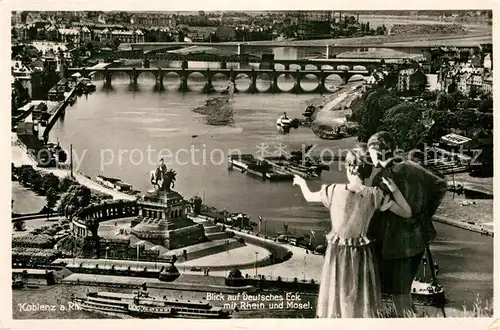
x,y
121,132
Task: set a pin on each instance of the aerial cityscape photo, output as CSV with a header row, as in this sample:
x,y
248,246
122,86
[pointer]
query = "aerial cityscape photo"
x,y
252,164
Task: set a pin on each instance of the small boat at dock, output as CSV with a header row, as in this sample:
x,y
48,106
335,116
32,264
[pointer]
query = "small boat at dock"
x,y
113,183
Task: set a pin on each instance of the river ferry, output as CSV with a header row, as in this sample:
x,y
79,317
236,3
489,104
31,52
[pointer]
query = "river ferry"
x,y
142,304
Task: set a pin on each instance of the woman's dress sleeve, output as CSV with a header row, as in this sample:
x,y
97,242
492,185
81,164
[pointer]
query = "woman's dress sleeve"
x,y
326,193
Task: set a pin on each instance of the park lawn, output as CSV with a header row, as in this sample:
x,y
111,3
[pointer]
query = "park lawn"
x,y
25,200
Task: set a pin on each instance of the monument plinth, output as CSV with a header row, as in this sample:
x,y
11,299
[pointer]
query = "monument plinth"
x,y
162,216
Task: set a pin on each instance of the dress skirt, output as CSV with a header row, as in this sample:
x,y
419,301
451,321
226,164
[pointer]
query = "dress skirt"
x,y
350,284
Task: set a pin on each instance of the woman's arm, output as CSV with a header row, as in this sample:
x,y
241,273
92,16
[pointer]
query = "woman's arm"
x,y
308,194
399,206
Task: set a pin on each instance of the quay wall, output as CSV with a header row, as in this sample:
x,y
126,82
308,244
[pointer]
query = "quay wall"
x,y
464,225
60,109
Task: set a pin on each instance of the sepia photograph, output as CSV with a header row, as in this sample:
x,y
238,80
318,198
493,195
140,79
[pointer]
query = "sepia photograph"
x,y
240,164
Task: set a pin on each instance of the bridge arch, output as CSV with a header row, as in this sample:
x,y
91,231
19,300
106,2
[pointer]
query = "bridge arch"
x,y
280,66
343,67
264,82
309,82
286,82
196,81
327,67
356,77
171,80
242,82
332,81
359,68
220,81
311,67
145,77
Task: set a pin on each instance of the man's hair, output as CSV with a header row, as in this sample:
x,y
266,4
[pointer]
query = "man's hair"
x,y
384,142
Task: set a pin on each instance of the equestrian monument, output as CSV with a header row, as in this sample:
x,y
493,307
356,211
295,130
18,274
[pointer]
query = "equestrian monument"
x,y
162,218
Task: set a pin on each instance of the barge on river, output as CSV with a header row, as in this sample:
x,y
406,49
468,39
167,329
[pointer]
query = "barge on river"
x,y
141,304
252,166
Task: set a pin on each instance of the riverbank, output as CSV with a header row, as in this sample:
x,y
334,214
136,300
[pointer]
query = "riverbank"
x,y
20,157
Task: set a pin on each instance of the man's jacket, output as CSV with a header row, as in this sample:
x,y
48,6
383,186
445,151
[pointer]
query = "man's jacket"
x,y
396,236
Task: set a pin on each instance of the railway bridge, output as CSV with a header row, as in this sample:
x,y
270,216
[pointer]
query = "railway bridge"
x,y
231,74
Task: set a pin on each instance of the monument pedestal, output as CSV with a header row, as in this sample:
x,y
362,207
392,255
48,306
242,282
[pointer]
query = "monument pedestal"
x,y
163,221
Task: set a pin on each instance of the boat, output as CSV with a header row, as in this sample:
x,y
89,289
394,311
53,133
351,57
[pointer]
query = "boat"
x,y
285,123
72,100
427,293
113,183
142,304
87,86
327,134
255,167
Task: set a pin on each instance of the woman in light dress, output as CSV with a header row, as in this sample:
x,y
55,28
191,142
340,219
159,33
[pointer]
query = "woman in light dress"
x,y
350,283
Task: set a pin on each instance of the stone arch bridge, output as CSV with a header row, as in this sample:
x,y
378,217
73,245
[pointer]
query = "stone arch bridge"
x,y
231,74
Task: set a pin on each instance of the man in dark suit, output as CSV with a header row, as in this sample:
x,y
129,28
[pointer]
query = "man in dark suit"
x,y
400,243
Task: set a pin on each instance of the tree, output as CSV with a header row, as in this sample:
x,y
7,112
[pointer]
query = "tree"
x,y
66,183
35,181
467,120
368,113
74,200
404,122
486,105
50,181
51,198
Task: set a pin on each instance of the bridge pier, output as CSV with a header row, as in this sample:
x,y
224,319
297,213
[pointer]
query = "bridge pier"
x,y
184,64
208,88
274,82
184,82
345,78
287,68
107,78
159,81
321,83
223,65
145,63
297,89
133,77
253,82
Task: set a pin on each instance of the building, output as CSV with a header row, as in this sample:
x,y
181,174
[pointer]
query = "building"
x,y
487,63
312,24
474,83
225,33
85,34
152,19
69,36
487,86
131,36
20,32
412,80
